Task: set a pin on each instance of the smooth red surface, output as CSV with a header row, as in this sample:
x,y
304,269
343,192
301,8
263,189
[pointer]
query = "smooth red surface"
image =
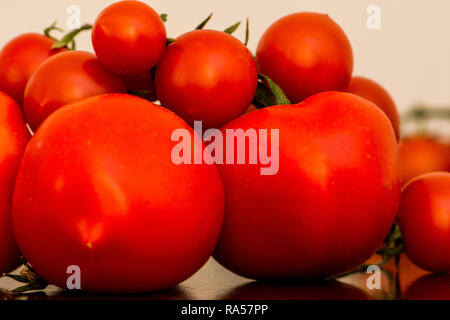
x,y
374,92
424,218
206,75
98,189
13,138
305,53
19,58
421,154
333,200
129,37
66,78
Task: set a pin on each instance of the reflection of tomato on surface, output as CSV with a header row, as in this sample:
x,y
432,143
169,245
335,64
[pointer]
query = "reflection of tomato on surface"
x,y
305,53
374,92
421,154
408,272
13,138
97,188
19,58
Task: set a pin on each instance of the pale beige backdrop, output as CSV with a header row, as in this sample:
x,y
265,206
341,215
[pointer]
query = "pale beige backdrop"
x,y
410,55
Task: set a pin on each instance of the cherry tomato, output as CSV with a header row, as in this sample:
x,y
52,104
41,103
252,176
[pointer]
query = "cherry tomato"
x,y
19,58
206,75
424,218
13,139
305,53
65,78
141,85
374,92
129,37
421,154
97,188
332,201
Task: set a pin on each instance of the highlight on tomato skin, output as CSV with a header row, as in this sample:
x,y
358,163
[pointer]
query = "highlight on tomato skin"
x,y
97,188
206,75
14,136
19,58
319,58
423,218
422,154
374,92
337,162
129,37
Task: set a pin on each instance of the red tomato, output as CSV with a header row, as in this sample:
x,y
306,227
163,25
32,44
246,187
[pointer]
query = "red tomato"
x,y
141,85
421,154
429,287
372,91
13,139
424,218
19,58
65,78
97,188
129,37
305,53
206,75
332,201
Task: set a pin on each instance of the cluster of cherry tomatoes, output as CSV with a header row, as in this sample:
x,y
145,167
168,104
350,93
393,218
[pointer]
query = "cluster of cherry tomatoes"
x,y
95,185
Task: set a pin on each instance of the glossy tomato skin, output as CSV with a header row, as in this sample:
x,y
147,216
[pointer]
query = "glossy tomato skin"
x,y
374,92
424,220
13,139
129,37
206,75
422,154
305,53
97,188
66,78
19,58
332,201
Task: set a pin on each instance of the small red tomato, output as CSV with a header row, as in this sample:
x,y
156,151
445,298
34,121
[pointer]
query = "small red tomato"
x,y
141,85
332,201
14,136
65,78
372,91
129,37
206,75
305,53
424,218
19,58
98,189
421,154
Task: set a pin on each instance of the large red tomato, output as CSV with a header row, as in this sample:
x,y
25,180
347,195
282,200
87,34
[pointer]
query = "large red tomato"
x,y
332,201
206,75
129,37
421,154
65,78
374,92
13,139
19,58
424,218
305,53
97,188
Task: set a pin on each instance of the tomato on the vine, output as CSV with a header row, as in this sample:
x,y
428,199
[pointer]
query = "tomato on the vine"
x,y
331,203
129,37
206,75
305,53
66,78
98,189
374,92
424,218
14,136
19,58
